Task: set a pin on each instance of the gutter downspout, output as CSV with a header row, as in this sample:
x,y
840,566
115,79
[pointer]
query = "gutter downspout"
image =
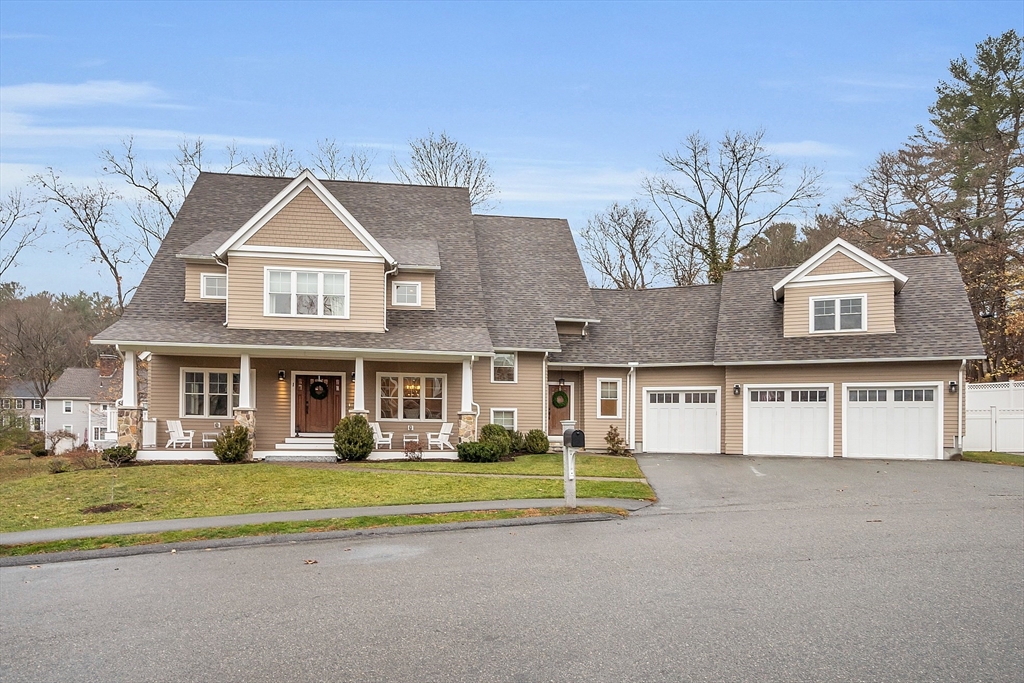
x,y
960,399
631,387
544,394
386,273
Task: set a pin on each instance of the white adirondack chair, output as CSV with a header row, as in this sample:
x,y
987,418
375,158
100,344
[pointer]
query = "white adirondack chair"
x,y
179,436
381,439
441,438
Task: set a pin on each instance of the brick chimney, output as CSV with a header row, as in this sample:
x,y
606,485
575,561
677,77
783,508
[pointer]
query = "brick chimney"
x,y
108,364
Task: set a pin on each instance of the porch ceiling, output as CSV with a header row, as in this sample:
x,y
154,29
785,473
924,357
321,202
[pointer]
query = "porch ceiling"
x,y
221,350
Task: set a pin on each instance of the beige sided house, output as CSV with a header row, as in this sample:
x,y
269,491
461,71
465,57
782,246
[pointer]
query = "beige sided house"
x,y
286,304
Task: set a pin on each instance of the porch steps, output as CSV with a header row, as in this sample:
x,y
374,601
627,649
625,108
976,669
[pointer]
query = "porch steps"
x,y
306,443
299,456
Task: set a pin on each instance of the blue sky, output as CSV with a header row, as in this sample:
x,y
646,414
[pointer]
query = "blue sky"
x,y
571,102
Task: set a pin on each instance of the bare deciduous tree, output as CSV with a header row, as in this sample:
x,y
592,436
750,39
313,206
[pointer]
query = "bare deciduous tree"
x,y
335,163
716,202
20,227
86,215
278,161
444,162
622,245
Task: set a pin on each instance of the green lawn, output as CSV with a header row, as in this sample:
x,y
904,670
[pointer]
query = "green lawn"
x,y
279,528
994,458
172,491
548,464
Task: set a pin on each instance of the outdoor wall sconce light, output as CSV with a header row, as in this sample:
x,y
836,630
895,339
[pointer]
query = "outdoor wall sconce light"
x,y
352,375
952,387
280,375
735,389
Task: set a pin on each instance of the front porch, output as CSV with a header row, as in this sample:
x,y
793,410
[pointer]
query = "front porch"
x,y
312,455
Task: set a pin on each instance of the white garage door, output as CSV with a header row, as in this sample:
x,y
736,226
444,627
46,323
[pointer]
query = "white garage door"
x,y
788,421
892,422
681,421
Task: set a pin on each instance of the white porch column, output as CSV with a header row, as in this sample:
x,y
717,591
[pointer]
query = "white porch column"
x,y
129,388
467,387
244,390
358,402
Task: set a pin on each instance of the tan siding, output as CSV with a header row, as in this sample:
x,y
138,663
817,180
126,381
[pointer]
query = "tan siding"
x,y
880,305
526,395
426,280
246,288
306,222
835,375
838,263
703,376
569,328
453,396
597,427
193,279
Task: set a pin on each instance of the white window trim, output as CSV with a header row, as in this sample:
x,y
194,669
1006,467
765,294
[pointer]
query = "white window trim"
x,y
422,377
515,368
939,405
836,297
819,386
69,428
394,292
206,393
202,285
618,399
5,404
69,407
515,416
320,292
36,424
37,404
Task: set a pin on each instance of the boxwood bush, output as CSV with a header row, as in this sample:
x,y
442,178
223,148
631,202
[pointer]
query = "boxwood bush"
x,y
497,437
233,445
477,451
353,438
537,442
119,455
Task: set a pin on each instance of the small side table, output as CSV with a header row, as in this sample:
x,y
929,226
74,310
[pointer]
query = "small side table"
x,y
409,437
209,438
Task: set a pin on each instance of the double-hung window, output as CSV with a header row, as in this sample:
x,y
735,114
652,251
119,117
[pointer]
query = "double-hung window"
x,y
19,403
506,417
405,294
503,367
410,397
37,403
608,394
839,314
307,293
211,393
214,286
68,406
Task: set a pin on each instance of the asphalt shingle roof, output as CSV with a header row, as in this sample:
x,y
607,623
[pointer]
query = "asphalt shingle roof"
x,y
413,253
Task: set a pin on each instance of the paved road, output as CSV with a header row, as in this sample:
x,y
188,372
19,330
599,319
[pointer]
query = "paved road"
x,y
755,570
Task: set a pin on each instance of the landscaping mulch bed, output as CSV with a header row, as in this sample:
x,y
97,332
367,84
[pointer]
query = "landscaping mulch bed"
x,y
107,507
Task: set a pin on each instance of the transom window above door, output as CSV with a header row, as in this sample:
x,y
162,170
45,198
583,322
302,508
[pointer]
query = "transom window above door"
x,y
307,293
839,314
410,397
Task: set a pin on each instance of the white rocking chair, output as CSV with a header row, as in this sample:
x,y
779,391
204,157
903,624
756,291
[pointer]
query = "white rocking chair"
x,y
381,439
179,436
441,438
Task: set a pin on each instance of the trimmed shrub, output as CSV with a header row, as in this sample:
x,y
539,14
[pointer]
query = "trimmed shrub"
x,y
616,445
497,437
537,442
59,465
39,450
119,455
477,451
233,444
353,438
518,441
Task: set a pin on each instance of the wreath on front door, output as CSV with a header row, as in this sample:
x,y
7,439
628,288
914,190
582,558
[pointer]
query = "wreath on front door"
x,y
318,389
559,399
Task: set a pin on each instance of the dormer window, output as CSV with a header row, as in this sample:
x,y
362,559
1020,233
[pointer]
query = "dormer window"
x,y
306,293
214,286
839,313
405,294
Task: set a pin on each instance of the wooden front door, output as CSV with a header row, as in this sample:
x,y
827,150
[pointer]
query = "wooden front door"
x,y
318,400
556,415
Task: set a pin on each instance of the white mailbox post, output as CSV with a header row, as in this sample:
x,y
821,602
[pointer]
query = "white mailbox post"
x,y
572,441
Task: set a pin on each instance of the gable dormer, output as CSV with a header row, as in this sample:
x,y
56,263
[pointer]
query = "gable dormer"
x,y
840,290
303,262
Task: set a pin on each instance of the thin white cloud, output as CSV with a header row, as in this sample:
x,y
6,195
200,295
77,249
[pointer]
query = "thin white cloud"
x,y
806,148
558,184
90,93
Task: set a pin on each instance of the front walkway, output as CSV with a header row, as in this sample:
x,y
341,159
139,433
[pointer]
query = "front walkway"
x,y
161,525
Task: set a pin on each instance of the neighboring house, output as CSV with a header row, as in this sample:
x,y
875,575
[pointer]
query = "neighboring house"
x,y
83,402
21,401
293,302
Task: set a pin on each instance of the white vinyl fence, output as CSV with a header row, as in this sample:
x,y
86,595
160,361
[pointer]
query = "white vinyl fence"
x,y
995,417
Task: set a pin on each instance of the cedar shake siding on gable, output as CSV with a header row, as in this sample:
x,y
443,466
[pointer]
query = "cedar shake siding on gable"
x,y
880,307
194,280
526,395
838,264
306,222
246,295
428,299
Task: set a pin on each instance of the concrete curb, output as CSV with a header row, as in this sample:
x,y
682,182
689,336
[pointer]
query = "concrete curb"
x,y
290,539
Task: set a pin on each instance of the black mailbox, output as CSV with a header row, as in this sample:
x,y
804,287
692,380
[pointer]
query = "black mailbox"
x,y
573,438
